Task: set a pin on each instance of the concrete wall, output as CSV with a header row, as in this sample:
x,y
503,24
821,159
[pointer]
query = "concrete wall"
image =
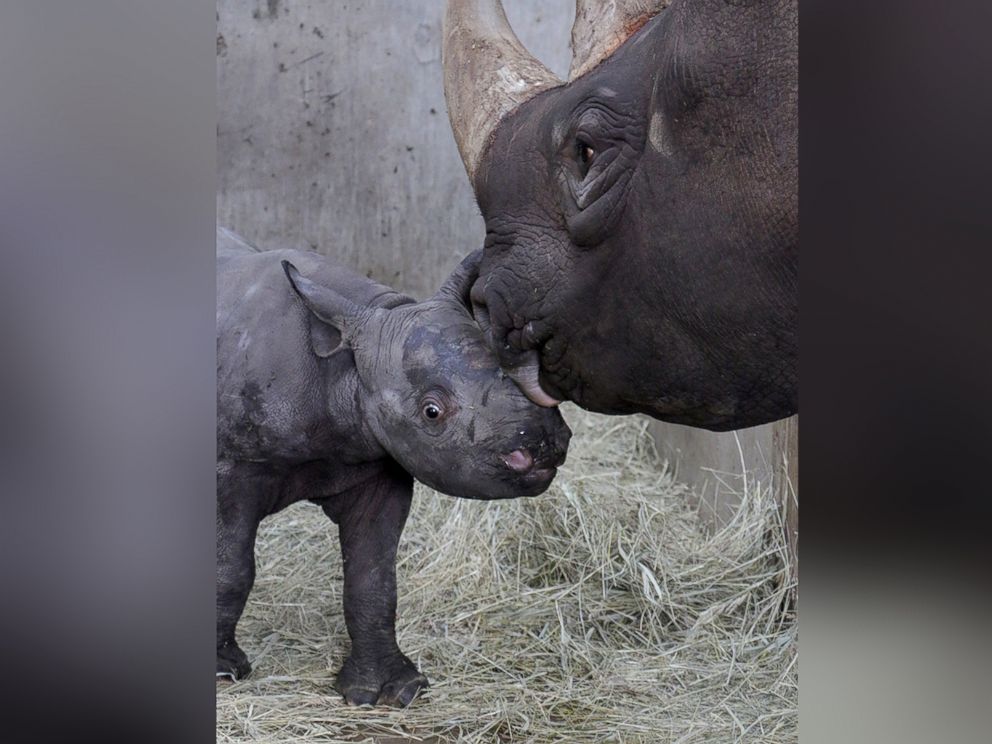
x,y
332,132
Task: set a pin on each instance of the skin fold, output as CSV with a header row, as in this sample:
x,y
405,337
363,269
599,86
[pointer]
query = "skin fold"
x,y
337,390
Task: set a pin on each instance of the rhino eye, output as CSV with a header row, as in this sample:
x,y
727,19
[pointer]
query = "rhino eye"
x,y
585,152
431,410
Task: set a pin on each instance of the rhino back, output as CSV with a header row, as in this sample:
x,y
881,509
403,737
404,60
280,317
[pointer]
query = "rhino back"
x,y
276,400
231,245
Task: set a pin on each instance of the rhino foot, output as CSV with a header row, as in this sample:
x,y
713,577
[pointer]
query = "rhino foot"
x,y
232,662
395,682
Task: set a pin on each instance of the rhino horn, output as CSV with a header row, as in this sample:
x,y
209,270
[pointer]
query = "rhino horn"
x,y
487,73
601,26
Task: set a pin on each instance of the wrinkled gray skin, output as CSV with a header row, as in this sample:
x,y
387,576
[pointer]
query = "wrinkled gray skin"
x,y
642,223
326,387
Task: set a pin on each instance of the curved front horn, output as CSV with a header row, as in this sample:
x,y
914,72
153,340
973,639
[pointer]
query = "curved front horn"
x,y
602,25
487,73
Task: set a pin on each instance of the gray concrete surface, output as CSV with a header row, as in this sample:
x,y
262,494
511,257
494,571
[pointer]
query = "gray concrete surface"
x,y
332,132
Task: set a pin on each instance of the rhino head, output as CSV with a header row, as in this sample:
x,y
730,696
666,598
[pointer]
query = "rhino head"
x,y
433,395
641,249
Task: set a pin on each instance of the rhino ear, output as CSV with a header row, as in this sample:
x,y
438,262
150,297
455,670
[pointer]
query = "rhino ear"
x,y
459,284
333,317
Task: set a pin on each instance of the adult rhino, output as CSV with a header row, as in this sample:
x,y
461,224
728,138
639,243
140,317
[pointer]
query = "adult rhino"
x,y
642,238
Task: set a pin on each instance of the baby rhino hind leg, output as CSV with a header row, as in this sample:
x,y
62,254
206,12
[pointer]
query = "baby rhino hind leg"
x,y
370,520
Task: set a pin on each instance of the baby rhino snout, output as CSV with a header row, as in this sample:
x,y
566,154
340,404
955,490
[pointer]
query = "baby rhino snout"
x,y
520,460
539,448
549,455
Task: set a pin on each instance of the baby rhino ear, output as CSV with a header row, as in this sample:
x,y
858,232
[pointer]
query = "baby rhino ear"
x,y
459,284
333,317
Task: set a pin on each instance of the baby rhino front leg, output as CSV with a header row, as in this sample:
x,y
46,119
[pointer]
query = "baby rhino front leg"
x,y
370,520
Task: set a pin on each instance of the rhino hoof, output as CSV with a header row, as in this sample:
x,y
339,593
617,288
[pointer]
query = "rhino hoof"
x,y
397,685
399,693
232,662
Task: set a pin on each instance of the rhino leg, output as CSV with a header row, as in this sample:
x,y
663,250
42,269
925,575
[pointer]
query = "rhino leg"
x,y
370,520
237,525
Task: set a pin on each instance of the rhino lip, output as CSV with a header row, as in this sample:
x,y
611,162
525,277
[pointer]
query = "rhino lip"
x,y
538,479
540,474
522,463
527,371
530,475
516,348
520,460
528,378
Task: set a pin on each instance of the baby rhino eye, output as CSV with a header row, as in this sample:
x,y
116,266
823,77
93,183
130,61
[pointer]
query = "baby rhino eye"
x,y
435,405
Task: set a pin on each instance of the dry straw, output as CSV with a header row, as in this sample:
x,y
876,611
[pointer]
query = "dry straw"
x,y
602,611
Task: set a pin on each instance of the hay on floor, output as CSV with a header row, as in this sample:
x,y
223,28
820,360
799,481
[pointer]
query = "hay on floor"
x,y
603,610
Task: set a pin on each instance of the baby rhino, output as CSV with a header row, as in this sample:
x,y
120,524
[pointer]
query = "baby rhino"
x,y
340,391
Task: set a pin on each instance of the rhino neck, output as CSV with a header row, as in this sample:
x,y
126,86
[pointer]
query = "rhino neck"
x,y
347,414
379,384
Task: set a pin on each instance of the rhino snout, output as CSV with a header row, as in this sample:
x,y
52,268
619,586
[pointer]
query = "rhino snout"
x,y
523,466
520,460
542,464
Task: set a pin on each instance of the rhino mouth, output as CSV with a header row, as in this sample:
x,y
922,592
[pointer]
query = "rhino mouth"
x,y
527,376
535,480
518,349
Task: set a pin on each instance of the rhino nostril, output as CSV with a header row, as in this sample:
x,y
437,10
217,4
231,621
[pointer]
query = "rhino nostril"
x,y
519,460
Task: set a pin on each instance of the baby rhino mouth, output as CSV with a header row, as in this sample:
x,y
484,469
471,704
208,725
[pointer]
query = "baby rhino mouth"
x,y
542,469
519,460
